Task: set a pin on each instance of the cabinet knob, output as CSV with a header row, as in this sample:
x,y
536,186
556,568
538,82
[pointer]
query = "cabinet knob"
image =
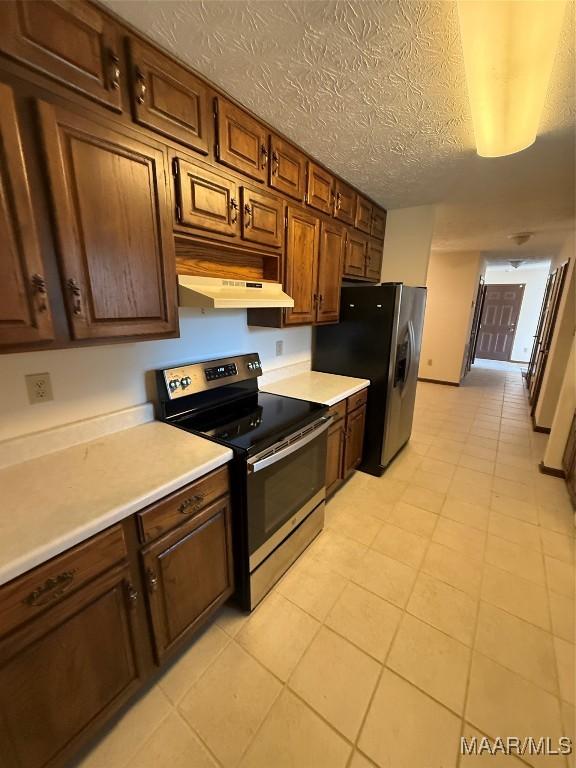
x,y
141,87
152,580
131,596
114,71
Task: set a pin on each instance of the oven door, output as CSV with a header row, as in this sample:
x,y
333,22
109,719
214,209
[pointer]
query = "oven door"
x,y
285,483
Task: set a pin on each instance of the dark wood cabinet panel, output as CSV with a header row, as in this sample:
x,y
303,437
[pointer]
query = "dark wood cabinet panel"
x,y
206,199
66,671
70,41
355,258
344,202
168,98
188,574
301,259
363,219
287,168
262,217
354,439
320,188
330,264
378,228
242,141
25,314
335,457
110,205
374,259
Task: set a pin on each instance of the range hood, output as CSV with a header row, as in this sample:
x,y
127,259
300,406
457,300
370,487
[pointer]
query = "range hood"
x,y
218,293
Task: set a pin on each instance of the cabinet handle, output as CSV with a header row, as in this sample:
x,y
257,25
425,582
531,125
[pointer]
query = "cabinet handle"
x,y
114,71
247,215
275,163
40,292
320,300
141,86
76,294
338,200
152,580
191,504
131,596
264,153
51,590
234,209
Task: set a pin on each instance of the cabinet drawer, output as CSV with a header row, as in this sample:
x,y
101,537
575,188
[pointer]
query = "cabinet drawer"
x,y
356,400
182,505
30,594
337,411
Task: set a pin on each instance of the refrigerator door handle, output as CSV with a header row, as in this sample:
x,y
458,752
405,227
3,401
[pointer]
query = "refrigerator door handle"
x,y
410,353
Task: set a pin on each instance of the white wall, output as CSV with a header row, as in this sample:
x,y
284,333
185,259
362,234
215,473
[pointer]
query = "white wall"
x,y
95,380
407,244
534,280
452,287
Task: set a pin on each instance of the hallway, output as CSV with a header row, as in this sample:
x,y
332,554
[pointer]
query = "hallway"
x,y
438,603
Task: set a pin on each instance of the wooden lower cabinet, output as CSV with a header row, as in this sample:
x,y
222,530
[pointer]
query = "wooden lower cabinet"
x,y
188,574
345,440
354,439
335,456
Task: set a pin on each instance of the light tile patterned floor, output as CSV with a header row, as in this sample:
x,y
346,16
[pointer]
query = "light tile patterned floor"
x,y
438,602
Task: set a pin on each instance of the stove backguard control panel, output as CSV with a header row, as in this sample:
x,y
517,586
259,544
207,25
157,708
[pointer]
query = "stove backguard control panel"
x,y
198,377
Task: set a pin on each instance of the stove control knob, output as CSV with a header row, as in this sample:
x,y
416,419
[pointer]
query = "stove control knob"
x,y
185,382
173,384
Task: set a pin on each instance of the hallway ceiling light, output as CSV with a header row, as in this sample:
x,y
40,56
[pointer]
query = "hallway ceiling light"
x,y
509,49
515,263
521,237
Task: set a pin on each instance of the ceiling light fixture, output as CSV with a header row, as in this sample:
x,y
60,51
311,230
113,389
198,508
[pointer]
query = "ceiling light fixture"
x,y
521,237
509,49
515,263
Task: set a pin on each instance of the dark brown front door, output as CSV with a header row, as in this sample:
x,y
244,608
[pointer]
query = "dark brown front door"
x,y
499,320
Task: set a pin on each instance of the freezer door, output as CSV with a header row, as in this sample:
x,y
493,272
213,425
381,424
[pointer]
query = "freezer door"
x,y
407,341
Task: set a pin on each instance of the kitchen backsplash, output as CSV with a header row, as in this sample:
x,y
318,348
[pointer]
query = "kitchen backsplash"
x,y
90,381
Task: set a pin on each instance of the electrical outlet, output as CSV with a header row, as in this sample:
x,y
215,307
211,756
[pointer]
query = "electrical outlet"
x,y
279,348
39,388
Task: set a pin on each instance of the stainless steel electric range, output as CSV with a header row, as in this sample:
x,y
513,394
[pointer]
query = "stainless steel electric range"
x,y
279,467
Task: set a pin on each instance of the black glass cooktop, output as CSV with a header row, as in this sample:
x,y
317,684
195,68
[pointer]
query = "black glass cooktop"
x,y
254,422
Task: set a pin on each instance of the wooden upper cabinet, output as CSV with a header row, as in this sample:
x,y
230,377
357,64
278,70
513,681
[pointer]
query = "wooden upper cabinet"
x,y
344,202
242,142
378,223
206,199
168,98
301,259
189,572
363,219
71,41
330,264
320,188
262,217
24,308
355,257
287,168
374,259
113,225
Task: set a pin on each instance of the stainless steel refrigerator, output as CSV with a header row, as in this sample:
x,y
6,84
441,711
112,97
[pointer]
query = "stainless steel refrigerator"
x,y
378,338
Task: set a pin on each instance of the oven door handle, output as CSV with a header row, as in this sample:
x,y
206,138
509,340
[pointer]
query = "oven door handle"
x,y
255,465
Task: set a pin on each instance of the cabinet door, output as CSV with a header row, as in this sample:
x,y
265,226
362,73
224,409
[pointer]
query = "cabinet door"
x,y
355,258
110,206
354,439
330,264
67,670
320,188
206,199
70,41
287,168
242,141
301,257
344,203
24,310
262,217
167,98
378,223
374,260
363,219
335,457
189,574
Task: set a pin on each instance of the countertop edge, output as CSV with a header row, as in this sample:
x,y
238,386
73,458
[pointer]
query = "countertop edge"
x,y
347,393
56,547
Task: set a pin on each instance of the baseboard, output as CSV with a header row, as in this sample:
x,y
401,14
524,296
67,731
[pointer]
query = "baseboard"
x,y
538,428
437,381
551,471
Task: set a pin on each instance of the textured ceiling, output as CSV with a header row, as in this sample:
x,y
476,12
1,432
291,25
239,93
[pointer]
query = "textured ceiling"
x,y
376,90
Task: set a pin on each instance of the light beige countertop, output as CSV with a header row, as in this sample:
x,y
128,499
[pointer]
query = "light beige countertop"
x,y
327,388
50,503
